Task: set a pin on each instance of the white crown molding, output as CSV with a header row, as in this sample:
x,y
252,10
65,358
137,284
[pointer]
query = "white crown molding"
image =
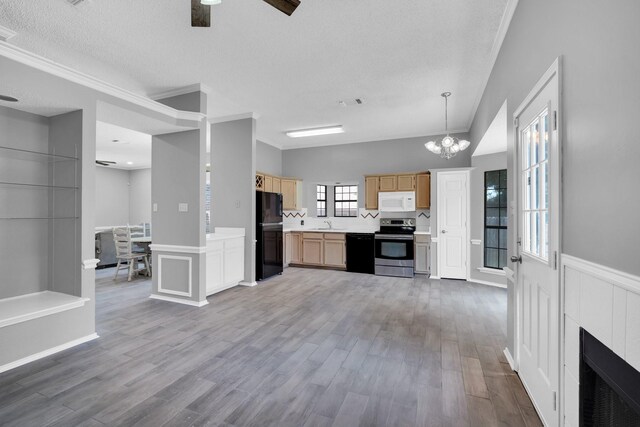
x,y
507,16
231,118
48,352
198,87
179,301
178,249
43,64
6,34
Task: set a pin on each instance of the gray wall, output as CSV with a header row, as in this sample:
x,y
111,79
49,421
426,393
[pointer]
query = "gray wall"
x,y
139,196
233,163
112,197
481,164
349,163
194,102
268,159
598,42
23,274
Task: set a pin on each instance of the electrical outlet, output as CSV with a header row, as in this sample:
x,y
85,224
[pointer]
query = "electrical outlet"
x,y
183,207
155,207
238,204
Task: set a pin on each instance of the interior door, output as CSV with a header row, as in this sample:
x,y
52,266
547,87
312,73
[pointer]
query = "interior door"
x,y
452,223
538,214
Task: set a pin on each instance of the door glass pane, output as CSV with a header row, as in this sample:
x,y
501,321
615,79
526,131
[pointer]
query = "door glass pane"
x,y
535,233
544,185
544,152
526,148
526,228
491,257
493,198
533,188
503,238
502,262
492,238
503,217
493,180
535,142
527,190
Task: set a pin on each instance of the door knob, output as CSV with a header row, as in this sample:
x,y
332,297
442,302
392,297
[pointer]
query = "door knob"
x,y
517,259
444,231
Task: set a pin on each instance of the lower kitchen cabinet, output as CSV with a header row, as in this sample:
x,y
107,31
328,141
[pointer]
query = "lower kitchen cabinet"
x,y
335,251
422,253
225,263
312,245
292,248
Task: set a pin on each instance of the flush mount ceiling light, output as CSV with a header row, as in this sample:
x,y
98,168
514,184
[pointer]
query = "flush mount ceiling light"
x,y
315,131
449,146
210,2
8,98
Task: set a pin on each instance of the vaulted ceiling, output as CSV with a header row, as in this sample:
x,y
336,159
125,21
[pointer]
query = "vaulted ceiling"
x,y
397,56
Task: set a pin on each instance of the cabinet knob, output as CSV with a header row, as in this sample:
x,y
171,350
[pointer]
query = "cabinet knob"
x,y
444,231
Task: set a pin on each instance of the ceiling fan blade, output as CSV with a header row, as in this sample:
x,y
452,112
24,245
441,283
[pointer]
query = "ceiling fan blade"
x,y
200,14
285,6
105,162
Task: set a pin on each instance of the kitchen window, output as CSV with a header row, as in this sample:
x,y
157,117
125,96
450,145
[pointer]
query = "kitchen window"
x,y
321,200
346,200
495,219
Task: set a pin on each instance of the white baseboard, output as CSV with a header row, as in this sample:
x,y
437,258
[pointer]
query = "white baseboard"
x,y
48,352
512,363
484,282
179,300
249,284
434,277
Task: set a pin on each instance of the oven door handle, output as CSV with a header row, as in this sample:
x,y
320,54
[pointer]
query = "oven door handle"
x,y
394,237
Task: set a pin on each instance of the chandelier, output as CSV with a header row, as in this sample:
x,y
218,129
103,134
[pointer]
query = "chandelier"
x,y
449,146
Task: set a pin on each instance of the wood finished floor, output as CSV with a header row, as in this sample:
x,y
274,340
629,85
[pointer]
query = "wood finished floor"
x,y
309,348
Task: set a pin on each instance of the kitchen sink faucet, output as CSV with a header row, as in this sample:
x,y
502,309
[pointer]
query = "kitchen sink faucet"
x,y
329,224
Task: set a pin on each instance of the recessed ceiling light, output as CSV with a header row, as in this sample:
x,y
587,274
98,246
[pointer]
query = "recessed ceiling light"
x,y
119,141
8,98
129,163
315,131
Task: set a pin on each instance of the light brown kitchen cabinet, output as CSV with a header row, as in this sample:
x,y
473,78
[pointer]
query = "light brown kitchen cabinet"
x,y
372,184
294,248
276,185
287,249
423,191
388,183
335,250
289,189
259,182
268,184
406,182
422,252
312,248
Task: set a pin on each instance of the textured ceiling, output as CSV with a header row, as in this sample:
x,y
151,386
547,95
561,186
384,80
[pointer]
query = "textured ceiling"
x,y
396,55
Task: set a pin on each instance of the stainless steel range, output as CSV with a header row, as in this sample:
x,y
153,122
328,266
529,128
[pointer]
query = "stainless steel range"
x,y
394,247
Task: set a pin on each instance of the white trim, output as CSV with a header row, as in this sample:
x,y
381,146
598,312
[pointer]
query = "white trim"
x,y
48,352
492,271
618,278
233,117
552,71
39,304
198,87
434,277
248,284
43,64
476,242
189,260
434,240
179,300
90,264
487,283
510,274
6,34
507,16
507,355
178,249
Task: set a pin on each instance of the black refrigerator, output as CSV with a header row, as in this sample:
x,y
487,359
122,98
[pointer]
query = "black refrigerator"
x,y
269,253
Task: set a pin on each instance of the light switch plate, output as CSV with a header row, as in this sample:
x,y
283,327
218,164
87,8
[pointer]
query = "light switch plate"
x,y
155,207
183,207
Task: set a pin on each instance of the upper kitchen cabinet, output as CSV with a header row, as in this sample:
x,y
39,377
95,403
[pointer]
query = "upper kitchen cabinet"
x,y
276,184
389,183
423,191
372,186
268,184
406,182
291,194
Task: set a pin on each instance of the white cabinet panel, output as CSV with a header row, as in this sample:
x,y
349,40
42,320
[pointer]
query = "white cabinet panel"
x,y
233,266
572,346
596,308
214,271
572,293
633,330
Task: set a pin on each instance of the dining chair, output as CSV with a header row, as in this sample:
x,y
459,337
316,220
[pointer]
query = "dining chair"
x,y
127,258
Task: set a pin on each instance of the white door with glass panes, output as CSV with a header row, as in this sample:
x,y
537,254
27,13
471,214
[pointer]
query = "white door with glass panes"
x,y
538,214
453,201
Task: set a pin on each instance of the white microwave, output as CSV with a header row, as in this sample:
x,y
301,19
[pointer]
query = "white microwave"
x,y
397,201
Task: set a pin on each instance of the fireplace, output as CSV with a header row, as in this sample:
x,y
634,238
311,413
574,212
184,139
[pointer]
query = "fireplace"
x,y
609,386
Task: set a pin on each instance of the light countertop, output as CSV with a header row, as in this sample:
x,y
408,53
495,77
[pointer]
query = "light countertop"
x,y
423,233
332,230
223,233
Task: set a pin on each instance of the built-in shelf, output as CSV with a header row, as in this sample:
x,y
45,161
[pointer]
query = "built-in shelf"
x,y
32,306
34,156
